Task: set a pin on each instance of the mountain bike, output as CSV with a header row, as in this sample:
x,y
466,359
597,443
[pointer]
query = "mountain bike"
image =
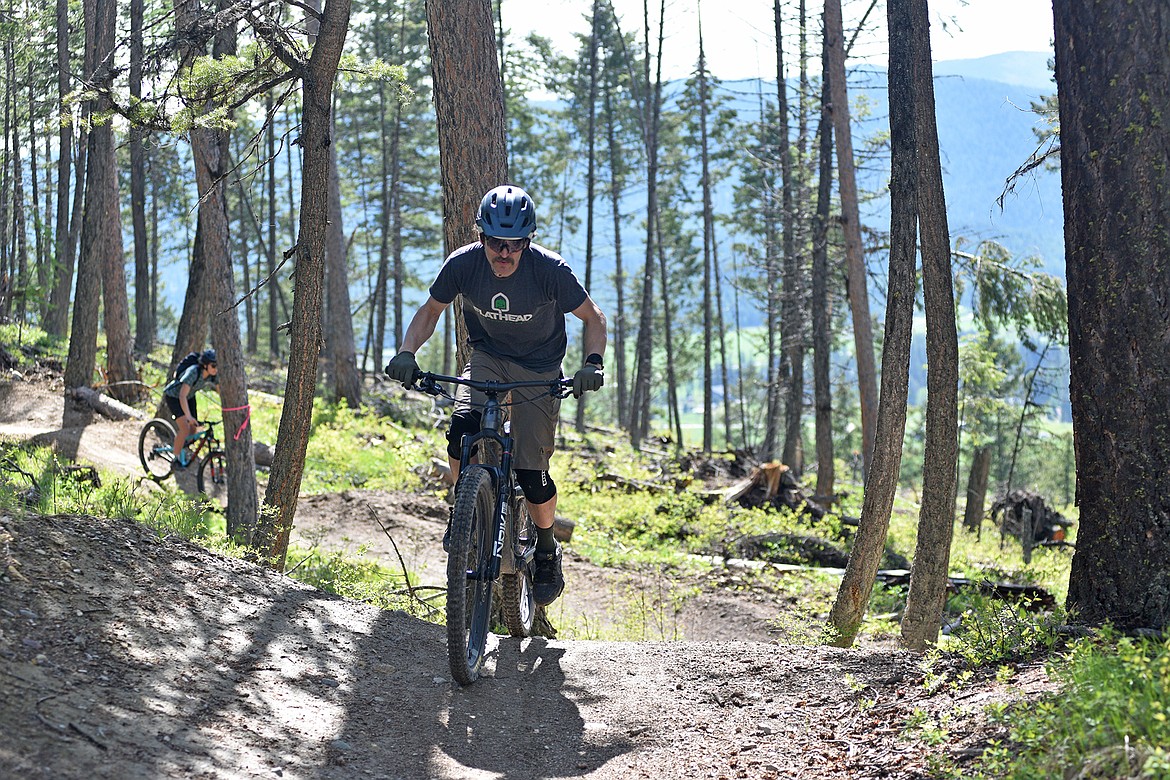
x,y
492,535
156,444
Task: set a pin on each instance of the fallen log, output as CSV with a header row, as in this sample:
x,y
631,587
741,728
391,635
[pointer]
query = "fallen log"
x,y
106,406
1036,597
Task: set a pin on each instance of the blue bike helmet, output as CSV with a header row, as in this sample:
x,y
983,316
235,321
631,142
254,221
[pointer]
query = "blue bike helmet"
x,y
507,212
207,358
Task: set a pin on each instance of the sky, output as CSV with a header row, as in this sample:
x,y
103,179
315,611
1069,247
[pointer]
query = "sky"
x,y
738,36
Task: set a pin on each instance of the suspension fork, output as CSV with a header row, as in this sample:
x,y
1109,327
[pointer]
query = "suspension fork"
x,y
502,488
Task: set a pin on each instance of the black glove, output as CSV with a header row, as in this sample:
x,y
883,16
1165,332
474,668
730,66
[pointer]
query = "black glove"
x,y
402,368
588,378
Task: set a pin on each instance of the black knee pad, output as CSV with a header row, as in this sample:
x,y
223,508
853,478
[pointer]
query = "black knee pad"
x,y
462,423
538,486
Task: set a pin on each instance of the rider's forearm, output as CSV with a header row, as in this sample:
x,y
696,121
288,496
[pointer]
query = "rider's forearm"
x,y
594,336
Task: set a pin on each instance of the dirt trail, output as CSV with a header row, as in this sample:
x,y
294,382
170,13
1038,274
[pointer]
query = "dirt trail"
x,y
127,656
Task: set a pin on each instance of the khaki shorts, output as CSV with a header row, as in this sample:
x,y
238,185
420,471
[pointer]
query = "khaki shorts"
x,y
534,423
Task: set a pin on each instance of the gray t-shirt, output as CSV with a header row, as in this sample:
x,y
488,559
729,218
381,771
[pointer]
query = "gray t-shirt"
x,y
520,318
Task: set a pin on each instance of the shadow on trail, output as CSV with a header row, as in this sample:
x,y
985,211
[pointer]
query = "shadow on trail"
x,y
519,721
524,722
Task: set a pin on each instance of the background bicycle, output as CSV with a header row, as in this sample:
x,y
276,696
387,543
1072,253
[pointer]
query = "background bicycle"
x,y
156,451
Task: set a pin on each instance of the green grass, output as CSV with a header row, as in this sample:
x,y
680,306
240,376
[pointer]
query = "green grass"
x,y
1110,718
32,480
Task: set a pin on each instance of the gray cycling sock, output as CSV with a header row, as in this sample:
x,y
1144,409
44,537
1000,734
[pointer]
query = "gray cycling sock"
x,y
545,541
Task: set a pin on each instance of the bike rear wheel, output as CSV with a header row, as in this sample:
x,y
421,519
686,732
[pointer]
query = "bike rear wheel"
x,y
516,586
469,587
212,478
156,448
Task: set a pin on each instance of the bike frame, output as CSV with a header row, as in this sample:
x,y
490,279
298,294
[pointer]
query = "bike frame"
x,y
501,482
501,474
204,440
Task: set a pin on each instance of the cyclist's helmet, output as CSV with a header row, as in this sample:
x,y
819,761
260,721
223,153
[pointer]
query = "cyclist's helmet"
x,y
507,212
207,358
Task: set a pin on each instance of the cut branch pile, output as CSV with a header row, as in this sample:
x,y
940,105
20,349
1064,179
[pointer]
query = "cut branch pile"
x,y
771,484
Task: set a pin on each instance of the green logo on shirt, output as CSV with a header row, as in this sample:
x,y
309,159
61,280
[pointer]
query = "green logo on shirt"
x,y
501,303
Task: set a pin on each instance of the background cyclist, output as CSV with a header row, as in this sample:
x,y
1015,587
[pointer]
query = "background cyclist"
x,y
515,298
180,395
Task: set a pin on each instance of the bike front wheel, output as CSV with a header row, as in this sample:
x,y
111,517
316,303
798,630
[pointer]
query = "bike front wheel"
x,y
469,585
211,480
156,445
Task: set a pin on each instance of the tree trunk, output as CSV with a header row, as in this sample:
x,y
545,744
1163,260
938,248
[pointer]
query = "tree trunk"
x,y
882,482
273,283
621,392
210,155
822,317
590,177
977,488
668,332
347,383
922,618
851,224
57,318
469,107
708,244
143,305
387,149
792,312
284,482
651,109
1113,83
19,228
103,220
42,267
79,366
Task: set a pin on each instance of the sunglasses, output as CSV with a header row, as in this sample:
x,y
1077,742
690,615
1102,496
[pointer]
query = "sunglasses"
x,y
504,245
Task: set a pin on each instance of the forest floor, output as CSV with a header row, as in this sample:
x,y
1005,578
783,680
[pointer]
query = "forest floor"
x,y
123,655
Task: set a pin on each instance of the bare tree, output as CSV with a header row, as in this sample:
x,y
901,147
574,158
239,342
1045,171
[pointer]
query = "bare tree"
x,y
143,305
936,521
882,481
591,171
792,309
822,319
708,244
57,316
100,235
284,483
851,224
209,150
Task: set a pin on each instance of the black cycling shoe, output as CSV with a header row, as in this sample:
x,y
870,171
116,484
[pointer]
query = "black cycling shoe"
x,y
547,580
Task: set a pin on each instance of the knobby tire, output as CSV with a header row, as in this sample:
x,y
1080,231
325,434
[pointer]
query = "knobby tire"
x,y
155,434
469,591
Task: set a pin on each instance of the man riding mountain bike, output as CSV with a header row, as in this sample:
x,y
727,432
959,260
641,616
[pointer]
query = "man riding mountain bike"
x,y
515,298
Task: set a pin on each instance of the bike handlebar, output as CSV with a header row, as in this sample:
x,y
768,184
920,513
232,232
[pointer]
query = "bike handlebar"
x,y
426,382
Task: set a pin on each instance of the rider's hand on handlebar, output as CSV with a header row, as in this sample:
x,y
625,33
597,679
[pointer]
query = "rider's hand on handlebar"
x,y
402,368
588,378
